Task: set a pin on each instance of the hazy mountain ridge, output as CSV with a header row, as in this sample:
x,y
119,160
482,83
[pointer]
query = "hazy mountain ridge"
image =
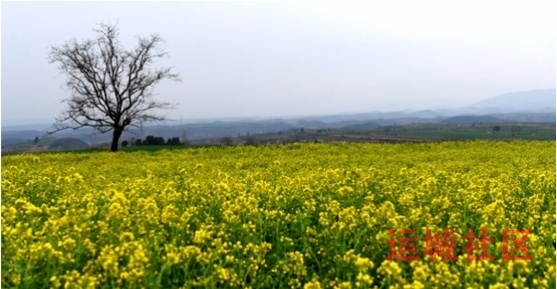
x,y
527,106
523,101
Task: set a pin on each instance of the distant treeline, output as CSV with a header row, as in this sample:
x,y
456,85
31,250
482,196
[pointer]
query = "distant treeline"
x,y
153,141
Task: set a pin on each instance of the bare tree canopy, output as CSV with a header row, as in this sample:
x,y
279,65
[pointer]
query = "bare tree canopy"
x,y
111,88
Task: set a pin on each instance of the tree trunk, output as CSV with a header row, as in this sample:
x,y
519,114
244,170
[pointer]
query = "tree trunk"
x,y
115,137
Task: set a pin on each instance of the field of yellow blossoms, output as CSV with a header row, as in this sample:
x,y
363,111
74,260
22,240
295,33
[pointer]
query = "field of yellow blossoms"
x,y
289,216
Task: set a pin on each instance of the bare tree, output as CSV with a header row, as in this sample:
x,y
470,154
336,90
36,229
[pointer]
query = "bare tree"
x,y
111,88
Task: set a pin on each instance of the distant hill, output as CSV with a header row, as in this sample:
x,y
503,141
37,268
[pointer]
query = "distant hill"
x,y
366,126
470,119
311,124
18,136
528,117
524,101
67,144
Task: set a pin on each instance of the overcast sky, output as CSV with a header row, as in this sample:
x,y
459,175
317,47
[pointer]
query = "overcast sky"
x,y
268,59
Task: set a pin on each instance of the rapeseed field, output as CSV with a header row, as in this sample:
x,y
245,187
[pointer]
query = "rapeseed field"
x,y
453,215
